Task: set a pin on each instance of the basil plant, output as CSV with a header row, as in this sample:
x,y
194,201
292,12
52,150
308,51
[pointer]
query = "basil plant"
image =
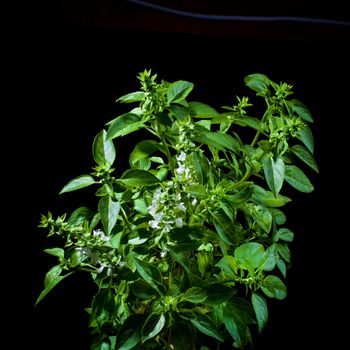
x,y
186,246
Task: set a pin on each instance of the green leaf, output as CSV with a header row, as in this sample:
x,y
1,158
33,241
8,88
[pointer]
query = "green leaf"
x,y
201,110
217,293
260,308
305,136
142,150
100,345
130,333
132,97
240,197
216,139
194,295
261,215
182,335
303,154
77,183
205,325
109,211
59,252
103,150
258,82
235,323
150,274
283,234
138,177
267,199
301,110
153,325
141,289
178,91
137,240
123,125
274,174
251,252
278,216
197,191
181,257
52,274
103,306
180,112
284,251
254,123
53,283
95,220
228,264
224,226
296,178
282,267
269,260
80,215
273,287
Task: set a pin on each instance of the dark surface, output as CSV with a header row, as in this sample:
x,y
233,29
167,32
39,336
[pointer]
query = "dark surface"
x,y
74,73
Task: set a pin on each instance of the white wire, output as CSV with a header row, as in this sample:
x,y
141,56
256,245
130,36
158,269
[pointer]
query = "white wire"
x,y
307,20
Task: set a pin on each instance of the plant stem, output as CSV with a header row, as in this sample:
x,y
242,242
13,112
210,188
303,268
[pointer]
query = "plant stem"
x,y
166,148
258,133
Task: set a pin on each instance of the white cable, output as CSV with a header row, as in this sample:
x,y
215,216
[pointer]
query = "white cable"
x,y
306,20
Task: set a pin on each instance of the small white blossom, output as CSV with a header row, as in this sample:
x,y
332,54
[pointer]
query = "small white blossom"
x,y
181,206
83,251
122,263
99,233
179,222
194,201
158,216
181,157
163,254
167,227
181,169
103,266
153,223
156,195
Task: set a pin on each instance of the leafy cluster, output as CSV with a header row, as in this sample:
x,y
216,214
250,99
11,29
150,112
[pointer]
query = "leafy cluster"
x,y
187,244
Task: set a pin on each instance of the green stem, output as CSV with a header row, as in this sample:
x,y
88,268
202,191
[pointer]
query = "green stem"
x,y
258,133
246,175
87,270
125,217
166,148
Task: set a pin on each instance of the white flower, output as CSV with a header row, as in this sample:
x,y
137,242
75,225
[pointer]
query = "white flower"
x,y
153,223
181,157
179,222
156,195
158,216
194,201
181,206
99,233
181,169
121,263
167,227
103,266
152,210
163,254
83,251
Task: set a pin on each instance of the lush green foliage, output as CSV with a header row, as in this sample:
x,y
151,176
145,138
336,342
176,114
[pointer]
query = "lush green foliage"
x,y
187,245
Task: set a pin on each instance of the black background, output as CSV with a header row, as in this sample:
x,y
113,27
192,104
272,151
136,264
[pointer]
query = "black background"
x,y
71,71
